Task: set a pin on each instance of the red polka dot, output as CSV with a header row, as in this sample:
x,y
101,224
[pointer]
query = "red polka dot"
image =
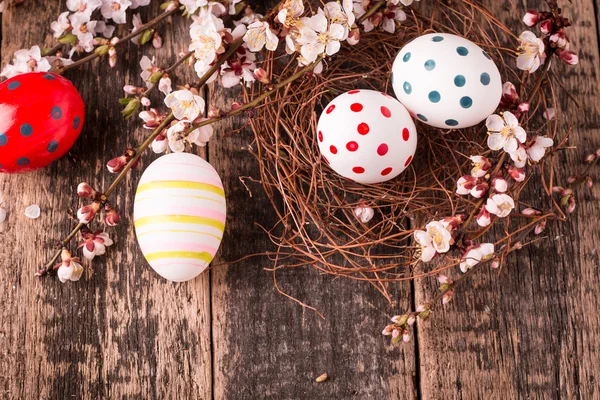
x,y
352,146
330,109
408,160
358,170
333,149
386,171
386,111
353,91
356,107
363,128
382,149
320,136
405,134
326,160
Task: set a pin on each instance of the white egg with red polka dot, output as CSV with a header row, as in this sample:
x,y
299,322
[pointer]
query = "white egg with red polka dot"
x,y
366,136
446,81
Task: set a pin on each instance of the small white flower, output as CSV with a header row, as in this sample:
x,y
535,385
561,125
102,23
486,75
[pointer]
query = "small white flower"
x,y
342,14
259,35
191,6
164,85
519,156
537,149
483,218
85,7
237,69
531,54
364,214
504,132
33,211
481,165
160,144
95,244
105,29
391,15
465,184
136,21
206,42
61,25
500,184
139,3
115,10
317,38
148,68
475,255
70,269
26,61
290,12
85,30
500,205
436,239
185,104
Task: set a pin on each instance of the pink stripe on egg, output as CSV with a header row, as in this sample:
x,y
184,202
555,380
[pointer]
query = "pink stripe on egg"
x,y
160,245
182,175
148,210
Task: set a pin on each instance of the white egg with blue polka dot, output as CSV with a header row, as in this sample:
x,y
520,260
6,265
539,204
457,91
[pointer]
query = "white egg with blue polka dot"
x,y
446,81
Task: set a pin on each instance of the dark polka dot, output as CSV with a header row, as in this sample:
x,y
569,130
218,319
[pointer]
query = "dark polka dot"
x,y
76,122
3,139
429,65
358,170
356,107
386,112
422,117
434,96
462,51
330,109
382,149
13,85
485,78
363,128
320,135
50,77
26,130
459,80
386,171
352,146
451,122
56,112
437,39
52,146
466,102
406,132
354,91
23,161
406,57
333,149
408,160
407,88
486,54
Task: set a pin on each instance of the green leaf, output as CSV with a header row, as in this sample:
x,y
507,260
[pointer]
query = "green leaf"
x,y
131,108
125,100
102,50
69,38
146,36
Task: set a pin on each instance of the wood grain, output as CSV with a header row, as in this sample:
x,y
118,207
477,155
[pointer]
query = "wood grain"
x,y
532,330
122,331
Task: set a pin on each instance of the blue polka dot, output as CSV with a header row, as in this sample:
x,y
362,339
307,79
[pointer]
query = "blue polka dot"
x,y
407,88
76,122
466,102
460,80
26,130
23,161
437,39
486,54
13,85
462,51
485,78
422,117
3,139
406,57
52,146
434,96
50,77
451,122
56,112
429,65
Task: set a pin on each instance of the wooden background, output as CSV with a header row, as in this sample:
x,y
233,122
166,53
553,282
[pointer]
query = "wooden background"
x,y
123,332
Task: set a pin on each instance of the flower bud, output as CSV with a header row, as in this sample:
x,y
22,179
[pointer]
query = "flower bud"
x,y
364,214
495,264
572,204
546,26
483,218
447,297
102,50
531,18
517,174
87,213
405,336
569,57
411,320
261,75
589,158
130,89
213,112
145,101
588,182
112,57
235,105
353,37
530,211
116,164
157,41
156,76
509,95
86,191
146,36
500,185
539,228
479,190
572,178
111,218
523,107
131,108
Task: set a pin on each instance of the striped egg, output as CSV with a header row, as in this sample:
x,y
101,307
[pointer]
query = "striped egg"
x,y
179,215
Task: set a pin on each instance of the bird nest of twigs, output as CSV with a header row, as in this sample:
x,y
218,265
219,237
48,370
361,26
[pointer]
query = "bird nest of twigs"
x,y
315,206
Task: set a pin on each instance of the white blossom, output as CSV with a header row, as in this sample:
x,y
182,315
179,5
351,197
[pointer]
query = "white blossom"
x,y
260,35
26,61
115,10
531,52
206,42
85,7
148,68
191,6
164,85
70,268
61,25
341,14
96,245
504,132
177,141
185,104
85,30
519,156
475,255
500,205
435,239
364,214
317,37
537,149
290,12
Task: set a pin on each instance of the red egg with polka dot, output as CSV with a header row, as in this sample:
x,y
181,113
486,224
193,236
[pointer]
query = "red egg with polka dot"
x,y
41,115
366,136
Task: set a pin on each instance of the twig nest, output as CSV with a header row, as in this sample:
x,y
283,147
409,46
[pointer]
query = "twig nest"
x,y
446,81
366,136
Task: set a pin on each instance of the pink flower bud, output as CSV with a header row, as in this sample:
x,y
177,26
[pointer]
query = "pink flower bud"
x,y
405,336
116,164
539,228
568,56
598,152
560,39
261,75
86,191
111,218
112,57
518,245
572,204
447,297
484,218
235,105
500,185
530,211
531,18
213,112
387,331
157,41
145,102
495,264
509,95
443,279
589,182
395,333
572,178
479,190
557,189
589,158
546,26
411,320
523,107
130,89
353,37
517,174
87,213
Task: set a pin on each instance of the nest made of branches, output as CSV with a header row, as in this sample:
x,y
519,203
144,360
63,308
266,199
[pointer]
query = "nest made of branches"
x,y
316,224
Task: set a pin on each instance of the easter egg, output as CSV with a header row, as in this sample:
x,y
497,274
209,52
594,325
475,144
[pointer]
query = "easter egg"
x,y
179,215
446,81
366,136
41,116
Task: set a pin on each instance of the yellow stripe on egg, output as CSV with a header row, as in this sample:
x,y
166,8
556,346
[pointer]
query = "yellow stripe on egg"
x,y
180,185
203,255
179,219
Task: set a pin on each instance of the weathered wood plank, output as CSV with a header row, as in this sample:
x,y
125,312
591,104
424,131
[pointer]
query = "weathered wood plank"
x,y
533,331
122,331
